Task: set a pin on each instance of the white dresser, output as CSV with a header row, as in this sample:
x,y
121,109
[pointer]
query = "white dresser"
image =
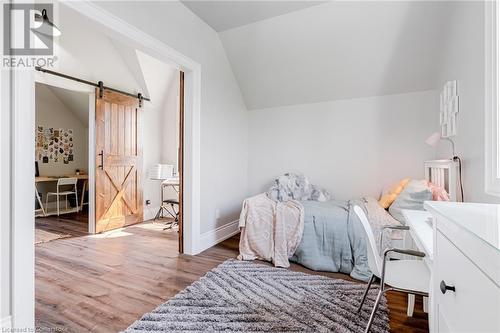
x,y
465,286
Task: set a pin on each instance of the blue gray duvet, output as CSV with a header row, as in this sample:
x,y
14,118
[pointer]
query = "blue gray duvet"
x,y
333,239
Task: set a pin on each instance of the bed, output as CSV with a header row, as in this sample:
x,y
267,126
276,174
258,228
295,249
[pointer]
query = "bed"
x,y
331,236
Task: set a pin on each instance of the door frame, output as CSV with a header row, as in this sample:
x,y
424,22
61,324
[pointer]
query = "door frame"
x,y
58,82
22,106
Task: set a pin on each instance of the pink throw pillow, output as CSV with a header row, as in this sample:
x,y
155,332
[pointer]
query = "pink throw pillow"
x,y
438,193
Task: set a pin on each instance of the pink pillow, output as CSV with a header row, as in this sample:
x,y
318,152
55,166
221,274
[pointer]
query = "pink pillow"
x,y
438,193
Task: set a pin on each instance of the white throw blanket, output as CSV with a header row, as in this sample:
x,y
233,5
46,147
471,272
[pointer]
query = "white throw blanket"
x,y
270,230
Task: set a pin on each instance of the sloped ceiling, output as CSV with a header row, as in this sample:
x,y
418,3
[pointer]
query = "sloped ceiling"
x,y
338,50
76,102
224,15
158,76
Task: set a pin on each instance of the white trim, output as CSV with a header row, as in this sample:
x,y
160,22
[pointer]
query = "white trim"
x,y
23,180
130,35
214,237
4,192
6,324
492,181
91,164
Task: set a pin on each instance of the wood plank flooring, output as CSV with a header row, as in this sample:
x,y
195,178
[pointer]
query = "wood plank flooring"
x,y
103,283
74,224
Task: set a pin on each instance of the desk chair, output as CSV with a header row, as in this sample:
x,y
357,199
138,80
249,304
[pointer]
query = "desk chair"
x,y
407,276
67,183
174,213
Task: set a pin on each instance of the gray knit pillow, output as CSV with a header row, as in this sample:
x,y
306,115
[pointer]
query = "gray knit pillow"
x,y
412,197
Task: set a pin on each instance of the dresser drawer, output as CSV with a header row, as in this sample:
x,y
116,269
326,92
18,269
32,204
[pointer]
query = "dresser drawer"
x,y
474,306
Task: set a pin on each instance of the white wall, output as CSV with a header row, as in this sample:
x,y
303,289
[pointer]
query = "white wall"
x,y
52,112
159,139
223,114
463,60
351,147
161,134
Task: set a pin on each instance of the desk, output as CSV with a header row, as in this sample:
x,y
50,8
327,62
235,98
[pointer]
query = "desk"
x,y
465,289
422,238
45,179
421,232
169,182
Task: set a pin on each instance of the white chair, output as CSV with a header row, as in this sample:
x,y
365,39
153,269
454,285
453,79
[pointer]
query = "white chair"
x,y
68,183
407,276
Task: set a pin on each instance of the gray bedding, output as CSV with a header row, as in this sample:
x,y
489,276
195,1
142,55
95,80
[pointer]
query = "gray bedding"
x,y
333,239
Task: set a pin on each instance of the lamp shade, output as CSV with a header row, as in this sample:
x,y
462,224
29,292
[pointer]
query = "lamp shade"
x,y
434,139
161,171
47,27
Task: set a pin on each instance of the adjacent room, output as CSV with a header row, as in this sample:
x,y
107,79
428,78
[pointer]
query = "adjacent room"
x,y
253,166
61,163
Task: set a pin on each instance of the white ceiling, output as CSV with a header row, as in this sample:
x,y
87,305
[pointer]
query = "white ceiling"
x,y
224,15
338,50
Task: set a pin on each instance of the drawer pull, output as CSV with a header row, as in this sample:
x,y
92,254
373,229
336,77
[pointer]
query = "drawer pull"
x,y
444,288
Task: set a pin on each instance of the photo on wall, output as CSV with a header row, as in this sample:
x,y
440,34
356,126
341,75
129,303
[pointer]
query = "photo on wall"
x,y
54,145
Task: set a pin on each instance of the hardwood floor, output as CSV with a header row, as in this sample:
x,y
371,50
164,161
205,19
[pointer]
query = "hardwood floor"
x,y
74,224
103,283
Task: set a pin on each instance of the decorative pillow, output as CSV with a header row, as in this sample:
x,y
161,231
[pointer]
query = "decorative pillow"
x,y
388,197
438,193
412,197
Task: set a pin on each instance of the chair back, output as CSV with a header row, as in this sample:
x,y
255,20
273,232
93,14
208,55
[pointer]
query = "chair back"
x,y
65,182
372,252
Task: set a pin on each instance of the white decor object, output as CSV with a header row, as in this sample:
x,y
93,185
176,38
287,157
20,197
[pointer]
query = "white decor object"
x,y
161,171
448,109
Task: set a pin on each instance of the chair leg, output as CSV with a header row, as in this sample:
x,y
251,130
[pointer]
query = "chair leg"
x,y
411,305
47,201
426,304
375,307
366,292
57,198
66,202
76,201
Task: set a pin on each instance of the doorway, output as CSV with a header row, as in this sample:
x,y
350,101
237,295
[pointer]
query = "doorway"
x,y
61,163
21,127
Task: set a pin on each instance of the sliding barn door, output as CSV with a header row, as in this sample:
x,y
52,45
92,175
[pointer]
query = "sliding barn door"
x,y
118,188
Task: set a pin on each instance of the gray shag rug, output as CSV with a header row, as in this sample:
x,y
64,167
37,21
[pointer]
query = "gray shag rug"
x,y
242,296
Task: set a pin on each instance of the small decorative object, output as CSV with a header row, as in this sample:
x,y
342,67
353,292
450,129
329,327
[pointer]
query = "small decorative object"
x,y
77,172
449,109
54,145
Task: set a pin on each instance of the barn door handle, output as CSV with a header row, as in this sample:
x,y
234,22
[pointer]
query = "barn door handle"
x,y
101,166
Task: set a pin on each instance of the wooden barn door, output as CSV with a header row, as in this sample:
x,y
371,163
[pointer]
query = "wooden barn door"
x,y
118,188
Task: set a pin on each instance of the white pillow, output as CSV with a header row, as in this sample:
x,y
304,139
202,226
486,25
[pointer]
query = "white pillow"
x,y
412,197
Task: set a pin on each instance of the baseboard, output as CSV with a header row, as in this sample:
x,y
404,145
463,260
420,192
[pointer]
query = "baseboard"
x,y
214,237
6,324
149,212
